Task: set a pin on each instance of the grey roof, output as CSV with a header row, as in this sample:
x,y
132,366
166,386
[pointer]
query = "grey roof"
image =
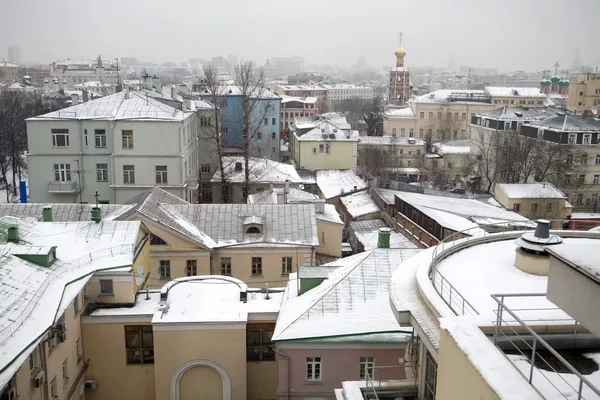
x,y
520,114
390,141
574,123
60,212
283,224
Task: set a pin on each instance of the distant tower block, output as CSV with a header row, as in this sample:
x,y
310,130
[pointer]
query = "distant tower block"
x,y
400,84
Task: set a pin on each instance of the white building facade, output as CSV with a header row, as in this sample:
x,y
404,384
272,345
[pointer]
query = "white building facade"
x,y
115,148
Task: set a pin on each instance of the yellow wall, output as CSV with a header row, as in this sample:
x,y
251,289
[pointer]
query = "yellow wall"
x,y
241,264
201,383
104,345
330,238
262,380
225,347
123,289
558,206
459,124
391,123
457,378
339,157
582,93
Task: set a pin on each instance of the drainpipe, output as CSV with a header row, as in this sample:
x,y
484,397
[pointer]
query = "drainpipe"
x,y
114,182
81,166
287,358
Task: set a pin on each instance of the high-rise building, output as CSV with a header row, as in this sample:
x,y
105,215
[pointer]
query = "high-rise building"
x,y
400,85
14,55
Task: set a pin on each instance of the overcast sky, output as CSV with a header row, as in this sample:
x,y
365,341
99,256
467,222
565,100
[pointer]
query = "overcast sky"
x,y
509,34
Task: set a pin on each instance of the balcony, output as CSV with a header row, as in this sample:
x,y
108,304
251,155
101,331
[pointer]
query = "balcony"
x,y
62,187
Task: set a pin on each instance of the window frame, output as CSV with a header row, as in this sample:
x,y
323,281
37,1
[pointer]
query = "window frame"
x,y
164,269
287,265
225,266
129,174
260,350
127,139
65,372
99,138
142,347
366,364
56,133
311,366
101,173
104,285
161,175
256,266
191,267
62,171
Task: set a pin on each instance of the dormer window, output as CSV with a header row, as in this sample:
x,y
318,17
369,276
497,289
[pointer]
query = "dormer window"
x,y
253,225
253,229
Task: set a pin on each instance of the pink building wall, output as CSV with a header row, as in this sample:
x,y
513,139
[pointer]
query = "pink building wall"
x,y
337,365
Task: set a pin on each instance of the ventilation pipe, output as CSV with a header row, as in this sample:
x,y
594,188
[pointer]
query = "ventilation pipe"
x,y
47,214
96,214
13,234
383,241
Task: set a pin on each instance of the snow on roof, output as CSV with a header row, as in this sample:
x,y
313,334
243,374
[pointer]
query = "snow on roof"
x,y
530,190
454,147
60,212
262,170
457,214
390,141
329,214
6,64
259,93
360,204
498,91
290,224
367,233
214,300
119,106
330,126
405,112
579,255
519,114
31,295
446,95
303,100
353,300
274,196
579,215
568,123
93,84
335,182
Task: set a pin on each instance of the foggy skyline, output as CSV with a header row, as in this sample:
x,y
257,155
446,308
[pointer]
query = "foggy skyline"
x,y
527,35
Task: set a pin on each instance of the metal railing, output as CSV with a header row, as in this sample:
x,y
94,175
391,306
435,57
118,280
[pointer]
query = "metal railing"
x,y
547,386
384,376
7,331
62,187
466,238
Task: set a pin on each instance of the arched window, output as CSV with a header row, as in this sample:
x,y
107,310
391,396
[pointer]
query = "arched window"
x,y
253,229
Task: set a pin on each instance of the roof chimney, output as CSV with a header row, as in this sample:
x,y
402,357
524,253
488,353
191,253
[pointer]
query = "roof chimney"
x,y
85,96
96,214
287,186
13,234
383,241
74,99
542,230
47,214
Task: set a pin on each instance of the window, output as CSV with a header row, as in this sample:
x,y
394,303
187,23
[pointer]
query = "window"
x,y
191,268
259,135
65,372
85,136
567,179
549,207
128,174
60,138
402,132
286,265
572,139
516,207
582,179
273,135
393,132
430,377
367,367
327,148
266,121
127,139
596,179
464,116
76,305
106,286
53,389
273,121
157,241
102,172
62,172
421,133
224,129
411,132
139,344
313,368
587,138
439,115
226,266
203,122
597,159
579,199
430,115
164,269
569,159
100,137
584,158
321,148
256,266
161,174
79,350
455,115
533,207
258,342
422,115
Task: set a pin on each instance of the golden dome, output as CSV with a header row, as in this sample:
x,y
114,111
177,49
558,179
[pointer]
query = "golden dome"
x,y
400,52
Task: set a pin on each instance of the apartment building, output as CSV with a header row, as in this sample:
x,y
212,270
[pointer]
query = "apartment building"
x,y
475,323
449,162
293,107
9,72
584,94
327,142
321,338
108,147
390,157
51,273
327,94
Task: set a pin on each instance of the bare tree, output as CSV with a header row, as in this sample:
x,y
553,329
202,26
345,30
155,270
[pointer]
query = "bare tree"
x,y
255,108
441,130
214,149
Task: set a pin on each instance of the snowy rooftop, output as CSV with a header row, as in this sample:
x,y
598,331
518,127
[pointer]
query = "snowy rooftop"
x,y
519,114
335,182
459,214
569,123
454,147
329,214
31,296
329,126
390,141
498,91
353,300
277,195
367,233
405,112
452,95
360,204
304,100
118,106
93,84
6,64
579,255
262,170
530,191
259,93
60,212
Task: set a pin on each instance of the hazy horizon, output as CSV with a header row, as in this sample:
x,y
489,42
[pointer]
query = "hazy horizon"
x,y
514,35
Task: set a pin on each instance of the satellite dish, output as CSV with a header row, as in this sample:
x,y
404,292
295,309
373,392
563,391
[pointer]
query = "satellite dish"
x,y
139,277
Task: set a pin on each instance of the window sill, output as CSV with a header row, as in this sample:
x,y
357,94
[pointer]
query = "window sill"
x,y
256,276
313,382
106,295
